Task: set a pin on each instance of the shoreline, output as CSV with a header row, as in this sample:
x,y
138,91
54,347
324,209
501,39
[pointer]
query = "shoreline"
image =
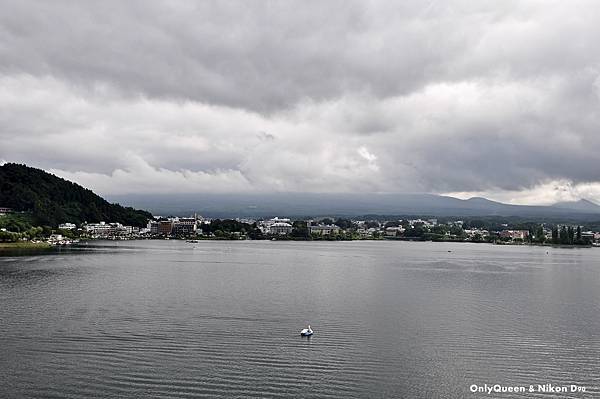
x,y
7,246
403,239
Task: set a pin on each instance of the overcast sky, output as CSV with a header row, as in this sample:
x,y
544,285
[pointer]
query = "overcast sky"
x,y
492,98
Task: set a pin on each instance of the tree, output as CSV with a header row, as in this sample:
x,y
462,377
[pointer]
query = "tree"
x,y
372,224
300,229
51,200
344,223
539,235
571,234
563,235
457,230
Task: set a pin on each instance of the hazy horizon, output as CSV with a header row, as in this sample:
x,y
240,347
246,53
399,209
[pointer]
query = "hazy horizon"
x,y
300,205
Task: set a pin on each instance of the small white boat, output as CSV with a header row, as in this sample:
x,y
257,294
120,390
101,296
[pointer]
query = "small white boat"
x,y
307,332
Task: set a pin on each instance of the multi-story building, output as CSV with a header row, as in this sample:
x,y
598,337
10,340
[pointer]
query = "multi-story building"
x,y
265,226
103,229
184,226
514,234
152,227
67,226
324,229
280,228
165,227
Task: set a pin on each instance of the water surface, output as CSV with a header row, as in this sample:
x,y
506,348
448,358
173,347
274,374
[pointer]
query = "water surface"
x,y
221,319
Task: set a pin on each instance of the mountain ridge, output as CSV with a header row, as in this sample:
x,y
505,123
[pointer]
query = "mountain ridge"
x,y
53,200
353,204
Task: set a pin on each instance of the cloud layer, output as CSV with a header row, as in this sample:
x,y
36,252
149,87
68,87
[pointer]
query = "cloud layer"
x,y
474,98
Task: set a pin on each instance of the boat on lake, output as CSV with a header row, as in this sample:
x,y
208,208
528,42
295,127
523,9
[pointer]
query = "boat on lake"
x,y
307,332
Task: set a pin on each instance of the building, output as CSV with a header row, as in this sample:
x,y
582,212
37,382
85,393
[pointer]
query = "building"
x,y
514,234
152,227
324,229
67,226
265,225
184,226
4,210
101,229
104,229
165,227
394,231
590,236
280,228
472,233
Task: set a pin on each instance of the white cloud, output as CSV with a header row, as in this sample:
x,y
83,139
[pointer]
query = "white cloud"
x,y
546,193
498,98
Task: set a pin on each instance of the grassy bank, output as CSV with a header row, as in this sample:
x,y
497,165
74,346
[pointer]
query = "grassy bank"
x,y
24,245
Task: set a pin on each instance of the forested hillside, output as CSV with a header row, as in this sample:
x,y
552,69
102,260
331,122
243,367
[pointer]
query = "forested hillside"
x,y
52,200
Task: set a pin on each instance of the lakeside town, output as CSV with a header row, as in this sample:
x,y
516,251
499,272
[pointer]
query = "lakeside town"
x,y
196,227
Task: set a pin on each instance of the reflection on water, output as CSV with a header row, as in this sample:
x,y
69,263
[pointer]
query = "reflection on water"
x,y
391,319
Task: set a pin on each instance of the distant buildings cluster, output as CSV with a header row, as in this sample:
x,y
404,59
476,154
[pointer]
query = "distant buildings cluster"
x,y
275,226
173,226
195,226
328,228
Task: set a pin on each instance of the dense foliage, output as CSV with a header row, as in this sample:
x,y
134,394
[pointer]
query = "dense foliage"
x,y
52,200
229,228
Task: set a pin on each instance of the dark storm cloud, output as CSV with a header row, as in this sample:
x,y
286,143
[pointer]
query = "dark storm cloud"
x,y
454,96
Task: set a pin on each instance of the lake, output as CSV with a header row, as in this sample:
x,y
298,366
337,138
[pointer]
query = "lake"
x,y
222,319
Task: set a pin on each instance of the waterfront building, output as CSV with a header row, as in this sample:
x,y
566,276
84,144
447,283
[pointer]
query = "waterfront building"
x,y
165,227
265,225
394,231
98,229
184,226
324,229
152,227
514,234
103,229
67,226
280,228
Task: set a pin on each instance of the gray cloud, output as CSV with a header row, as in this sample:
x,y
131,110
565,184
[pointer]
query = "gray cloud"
x,y
468,98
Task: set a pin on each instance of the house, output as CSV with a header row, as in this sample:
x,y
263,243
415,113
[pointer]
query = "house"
x,y
394,231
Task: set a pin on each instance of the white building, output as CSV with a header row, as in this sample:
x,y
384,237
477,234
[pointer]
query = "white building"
x,y
67,226
324,229
103,229
280,228
265,225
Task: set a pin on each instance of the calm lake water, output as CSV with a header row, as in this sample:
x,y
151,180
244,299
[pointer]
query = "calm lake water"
x,y
222,319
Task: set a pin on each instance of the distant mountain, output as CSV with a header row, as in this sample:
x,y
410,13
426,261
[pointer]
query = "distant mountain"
x,y
53,200
353,204
582,205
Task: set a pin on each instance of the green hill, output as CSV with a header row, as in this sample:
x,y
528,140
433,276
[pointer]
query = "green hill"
x,y
52,200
